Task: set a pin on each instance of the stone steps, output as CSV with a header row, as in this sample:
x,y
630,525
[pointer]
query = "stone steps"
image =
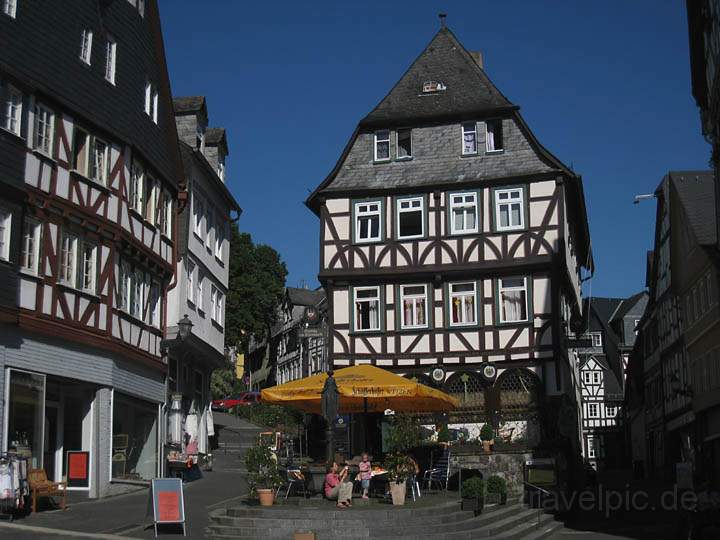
x,y
443,521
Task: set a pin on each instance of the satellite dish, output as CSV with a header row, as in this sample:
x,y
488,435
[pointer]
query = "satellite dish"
x,y
438,375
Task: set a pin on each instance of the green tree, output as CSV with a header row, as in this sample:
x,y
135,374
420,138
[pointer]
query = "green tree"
x,y
222,382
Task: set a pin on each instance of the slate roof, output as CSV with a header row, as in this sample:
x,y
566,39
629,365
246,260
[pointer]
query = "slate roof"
x,y
214,136
188,104
468,91
627,305
305,297
696,191
598,311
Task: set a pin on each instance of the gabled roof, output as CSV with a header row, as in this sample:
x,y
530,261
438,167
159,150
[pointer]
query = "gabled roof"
x,y
468,90
627,305
696,191
188,104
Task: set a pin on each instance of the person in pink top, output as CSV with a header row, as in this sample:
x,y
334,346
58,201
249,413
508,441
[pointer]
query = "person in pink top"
x,y
365,474
336,488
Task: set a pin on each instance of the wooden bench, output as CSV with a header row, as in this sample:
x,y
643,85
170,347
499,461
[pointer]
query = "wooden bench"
x,y
40,486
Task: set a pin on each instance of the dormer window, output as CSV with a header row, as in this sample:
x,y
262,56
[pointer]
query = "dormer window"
x,y
382,145
86,46
494,136
221,169
432,87
469,138
200,138
404,144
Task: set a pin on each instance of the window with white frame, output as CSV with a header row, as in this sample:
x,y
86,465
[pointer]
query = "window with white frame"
x,y
219,237
5,233
382,145
366,308
151,195
413,303
209,225
100,162
166,213
493,136
68,258
587,377
199,300
88,267
591,447
155,305
137,293
513,299
151,101
410,217
610,411
367,221
30,249
141,7
636,325
86,46
463,303
198,212
509,209
216,305
10,7
463,213
469,138
596,338
155,105
81,144
404,143
136,192
221,169
596,377
110,54
593,410
44,127
190,281
11,109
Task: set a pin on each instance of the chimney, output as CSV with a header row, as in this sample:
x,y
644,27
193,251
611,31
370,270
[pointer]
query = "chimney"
x,y
216,150
477,56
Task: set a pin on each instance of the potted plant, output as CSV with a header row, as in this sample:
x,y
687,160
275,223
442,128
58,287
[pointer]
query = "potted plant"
x,y
496,490
487,436
473,494
399,469
263,475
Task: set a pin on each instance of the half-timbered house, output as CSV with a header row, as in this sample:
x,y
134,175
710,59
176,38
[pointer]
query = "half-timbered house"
x,y
90,172
451,248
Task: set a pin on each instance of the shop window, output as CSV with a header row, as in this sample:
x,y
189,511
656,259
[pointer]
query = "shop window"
x,y
134,452
26,407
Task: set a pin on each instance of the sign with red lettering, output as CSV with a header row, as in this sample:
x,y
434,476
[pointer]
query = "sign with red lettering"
x,y
77,467
168,506
167,501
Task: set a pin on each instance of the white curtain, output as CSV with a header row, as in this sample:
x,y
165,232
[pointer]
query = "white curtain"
x,y
490,140
513,305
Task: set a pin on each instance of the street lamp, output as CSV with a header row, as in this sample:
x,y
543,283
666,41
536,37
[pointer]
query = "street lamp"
x,y
184,327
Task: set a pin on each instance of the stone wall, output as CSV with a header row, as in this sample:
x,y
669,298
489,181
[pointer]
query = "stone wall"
x,y
507,465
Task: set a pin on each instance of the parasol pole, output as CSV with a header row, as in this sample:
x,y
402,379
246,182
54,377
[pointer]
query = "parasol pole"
x,y
365,425
329,404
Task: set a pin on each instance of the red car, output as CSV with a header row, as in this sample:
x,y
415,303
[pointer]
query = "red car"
x,y
225,404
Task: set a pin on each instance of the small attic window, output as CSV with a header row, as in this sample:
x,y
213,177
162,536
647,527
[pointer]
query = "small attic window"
x,y
432,87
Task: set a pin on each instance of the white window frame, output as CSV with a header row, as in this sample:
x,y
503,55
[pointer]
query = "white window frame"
x,y
509,202
199,300
32,230
399,210
377,299
88,272
110,59
219,238
68,259
414,298
12,110
494,150
524,288
464,206
591,447
209,225
44,142
383,140
151,196
596,339
216,305
137,293
190,274
155,105
611,411
462,296
597,377
593,407
587,377
167,217
397,144
86,46
136,193
155,296
465,131
102,177
10,8
5,233
369,214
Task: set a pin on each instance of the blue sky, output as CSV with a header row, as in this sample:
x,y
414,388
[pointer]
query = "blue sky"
x,y
605,86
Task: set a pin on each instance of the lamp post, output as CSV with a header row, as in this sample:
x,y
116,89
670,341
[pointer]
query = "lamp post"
x,y
184,331
329,404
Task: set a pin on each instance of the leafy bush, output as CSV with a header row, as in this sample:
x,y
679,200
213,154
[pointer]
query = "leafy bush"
x,y
487,433
271,416
444,434
262,469
399,467
473,488
404,433
497,484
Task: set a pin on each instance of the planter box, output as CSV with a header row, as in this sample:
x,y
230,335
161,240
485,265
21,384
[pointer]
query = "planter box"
x,y
473,504
496,498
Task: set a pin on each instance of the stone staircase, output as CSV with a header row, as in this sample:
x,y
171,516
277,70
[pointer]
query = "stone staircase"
x,y
235,436
441,520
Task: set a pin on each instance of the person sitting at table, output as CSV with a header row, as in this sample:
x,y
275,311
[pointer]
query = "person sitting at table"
x,y
336,488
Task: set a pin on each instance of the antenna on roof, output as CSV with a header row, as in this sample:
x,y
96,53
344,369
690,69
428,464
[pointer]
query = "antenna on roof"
x,y
442,19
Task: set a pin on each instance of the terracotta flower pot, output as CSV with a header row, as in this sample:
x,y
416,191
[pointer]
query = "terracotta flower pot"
x,y
266,497
398,492
487,446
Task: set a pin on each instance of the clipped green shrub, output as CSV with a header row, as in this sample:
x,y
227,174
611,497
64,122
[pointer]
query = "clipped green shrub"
x,y
473,488
497,484
487,433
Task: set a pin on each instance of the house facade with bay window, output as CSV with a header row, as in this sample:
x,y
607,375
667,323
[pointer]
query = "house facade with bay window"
x,y
451,250
91,179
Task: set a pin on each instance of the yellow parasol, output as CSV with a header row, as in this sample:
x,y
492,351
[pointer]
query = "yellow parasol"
x,y
363,388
